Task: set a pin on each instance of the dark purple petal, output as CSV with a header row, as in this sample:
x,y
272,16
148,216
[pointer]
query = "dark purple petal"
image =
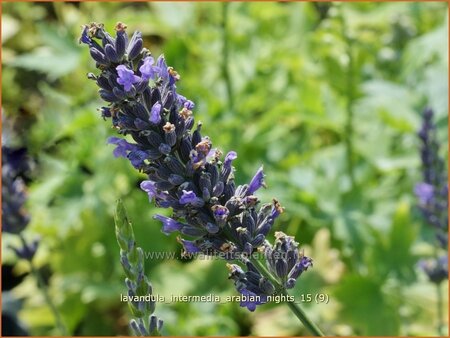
x,y
85,36
302,265
256,182
220,212
425,192
148,70
162,68
126,77
231,156
150,188
251,300
189,105
123,147
169,224
226,167
188,197
137,158
155,113
189,246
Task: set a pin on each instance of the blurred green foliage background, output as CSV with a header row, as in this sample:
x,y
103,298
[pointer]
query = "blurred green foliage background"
x,y
327,96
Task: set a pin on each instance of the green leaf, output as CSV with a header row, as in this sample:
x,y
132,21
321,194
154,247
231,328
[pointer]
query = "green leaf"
x,y
58,56
392,251
365,307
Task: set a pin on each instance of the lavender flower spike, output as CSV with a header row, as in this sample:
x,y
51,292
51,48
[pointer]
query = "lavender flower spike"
x,y
144,322
184,171
432,194
15,218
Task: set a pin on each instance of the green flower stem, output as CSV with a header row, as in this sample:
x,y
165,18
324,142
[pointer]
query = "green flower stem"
x,y
439,300
132,260
294,307
440,309
41,285
301,315
266,273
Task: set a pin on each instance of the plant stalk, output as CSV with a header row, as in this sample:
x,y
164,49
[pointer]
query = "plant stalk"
x,y
301,315
294,307
440,309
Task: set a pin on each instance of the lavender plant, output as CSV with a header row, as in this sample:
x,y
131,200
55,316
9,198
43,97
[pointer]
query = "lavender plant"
x,y
432,193
138,285
15,218
185,173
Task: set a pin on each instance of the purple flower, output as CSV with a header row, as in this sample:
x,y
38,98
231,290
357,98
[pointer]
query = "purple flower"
x,y
189,105
184,102
256,182
85,36
189,197
126,77
27,251
285,261
189,246
425,192
226,168
148,70
169,224
155,113
250,299
432,192
181,99
220,212
300,267
253,287
123,147
15,163
231,156
162,68
137,158
15,219
153,192
150,188
436,269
